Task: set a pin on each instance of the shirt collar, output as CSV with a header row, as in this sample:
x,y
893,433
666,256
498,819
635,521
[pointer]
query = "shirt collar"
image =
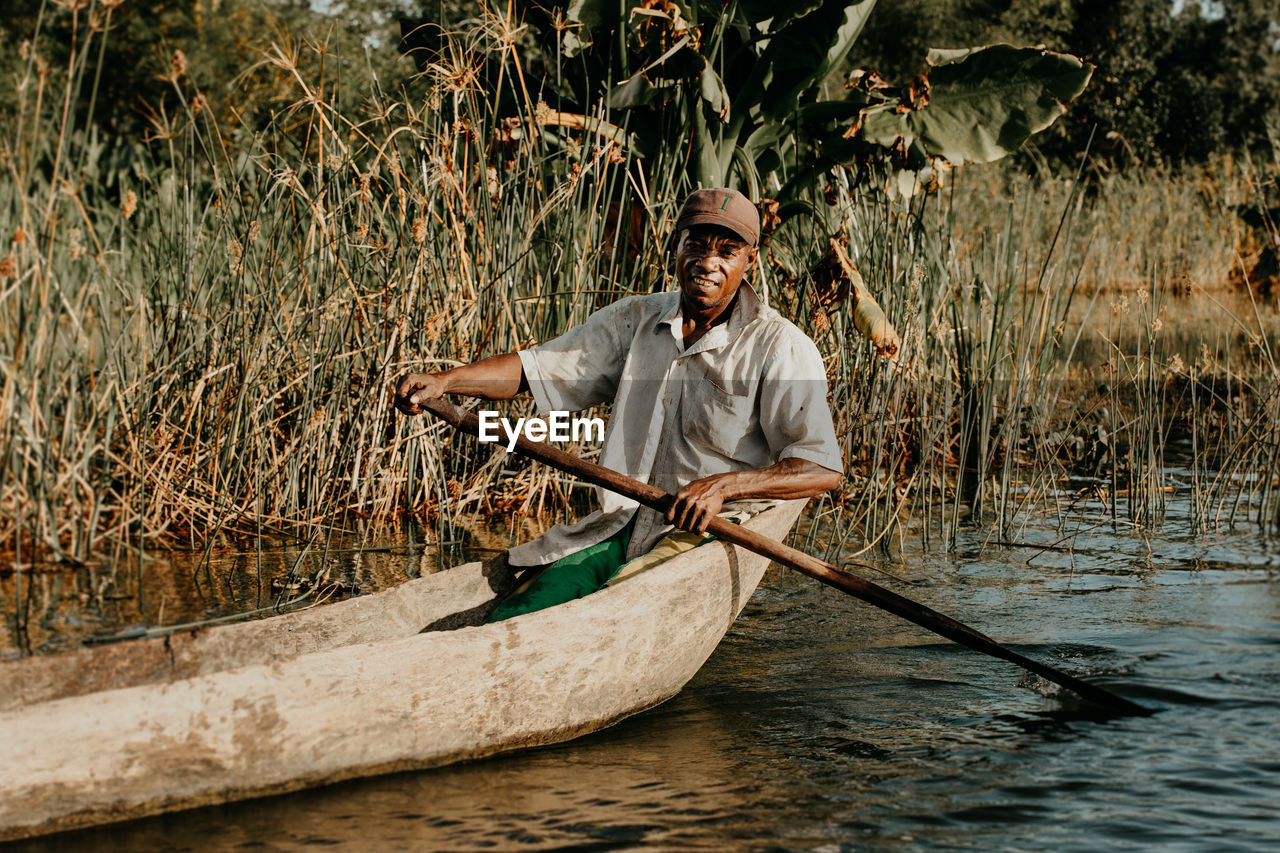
x,y
746,308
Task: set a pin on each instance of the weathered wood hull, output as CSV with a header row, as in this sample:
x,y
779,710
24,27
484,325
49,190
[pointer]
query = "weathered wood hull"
x,y
318,703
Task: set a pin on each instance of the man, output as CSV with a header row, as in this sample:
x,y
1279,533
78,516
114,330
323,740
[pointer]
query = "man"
x,y
715,397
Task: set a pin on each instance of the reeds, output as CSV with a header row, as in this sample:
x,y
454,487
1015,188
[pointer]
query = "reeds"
x,y
200,332
206,342
1033,377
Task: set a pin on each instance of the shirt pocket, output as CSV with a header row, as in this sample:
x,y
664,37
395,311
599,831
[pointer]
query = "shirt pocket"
x,y
716,418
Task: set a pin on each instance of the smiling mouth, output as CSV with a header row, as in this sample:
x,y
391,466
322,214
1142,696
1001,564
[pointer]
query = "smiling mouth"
x,y
704,283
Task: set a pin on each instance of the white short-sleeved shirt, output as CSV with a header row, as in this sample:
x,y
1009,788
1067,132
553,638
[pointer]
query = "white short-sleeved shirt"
x,y
751,392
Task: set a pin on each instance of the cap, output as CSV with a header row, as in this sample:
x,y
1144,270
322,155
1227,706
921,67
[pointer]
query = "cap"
x,y
724,207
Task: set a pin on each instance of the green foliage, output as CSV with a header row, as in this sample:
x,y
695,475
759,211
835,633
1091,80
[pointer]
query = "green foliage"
x,y
1178,88
742,94
982,104
719,84
1168,88
126,61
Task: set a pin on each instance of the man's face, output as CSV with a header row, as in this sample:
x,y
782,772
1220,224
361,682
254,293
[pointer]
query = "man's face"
x,y
710,264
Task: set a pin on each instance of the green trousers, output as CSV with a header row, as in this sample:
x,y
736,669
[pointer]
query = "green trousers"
x,y
581,573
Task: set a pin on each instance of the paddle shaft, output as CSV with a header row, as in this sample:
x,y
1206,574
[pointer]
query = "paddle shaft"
x,y
872,593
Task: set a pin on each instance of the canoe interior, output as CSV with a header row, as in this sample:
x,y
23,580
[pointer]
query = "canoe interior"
x,y
456,598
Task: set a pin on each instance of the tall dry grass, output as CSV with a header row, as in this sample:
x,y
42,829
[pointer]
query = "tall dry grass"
x,y
1070,341
1129,225
200,332
202,340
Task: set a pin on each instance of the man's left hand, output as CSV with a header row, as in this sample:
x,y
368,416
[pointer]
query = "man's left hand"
x,y
697,503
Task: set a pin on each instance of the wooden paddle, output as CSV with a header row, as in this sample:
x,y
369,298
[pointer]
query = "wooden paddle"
x,y
858,587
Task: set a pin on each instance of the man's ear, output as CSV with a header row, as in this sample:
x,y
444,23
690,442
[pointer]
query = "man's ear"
x,y
752,254
669,259
673,242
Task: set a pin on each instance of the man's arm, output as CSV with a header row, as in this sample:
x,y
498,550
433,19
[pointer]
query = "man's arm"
x,y
499,377
700,501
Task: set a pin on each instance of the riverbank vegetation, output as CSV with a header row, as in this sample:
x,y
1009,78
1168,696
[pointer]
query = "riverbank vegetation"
x,y
204,305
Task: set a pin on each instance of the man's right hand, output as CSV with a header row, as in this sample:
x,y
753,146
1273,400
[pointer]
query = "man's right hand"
x,y
416,388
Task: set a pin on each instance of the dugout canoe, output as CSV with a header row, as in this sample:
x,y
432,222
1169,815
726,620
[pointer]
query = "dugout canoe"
x,y
353,689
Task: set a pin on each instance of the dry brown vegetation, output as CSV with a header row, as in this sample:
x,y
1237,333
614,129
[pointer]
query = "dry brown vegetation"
x,y
200,344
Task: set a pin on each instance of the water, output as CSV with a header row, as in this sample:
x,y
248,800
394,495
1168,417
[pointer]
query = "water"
x,y
821,724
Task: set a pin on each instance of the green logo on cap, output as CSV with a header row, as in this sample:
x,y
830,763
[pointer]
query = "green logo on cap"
x,y
725,204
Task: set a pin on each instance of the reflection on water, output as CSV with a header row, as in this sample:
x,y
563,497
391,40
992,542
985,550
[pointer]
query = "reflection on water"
x,y
821,724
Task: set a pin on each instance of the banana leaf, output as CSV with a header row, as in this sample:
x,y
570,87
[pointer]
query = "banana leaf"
x,y
980,104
